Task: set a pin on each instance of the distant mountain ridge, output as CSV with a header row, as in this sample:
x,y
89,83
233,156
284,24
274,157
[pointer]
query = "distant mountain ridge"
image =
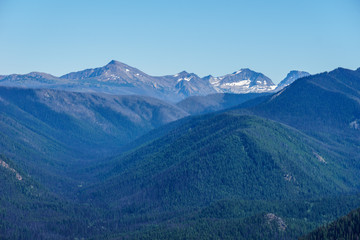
x,y
291,77
121,79
328,100
243,81
195,105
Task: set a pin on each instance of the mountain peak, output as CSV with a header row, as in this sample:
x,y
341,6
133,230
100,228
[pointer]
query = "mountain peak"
x,y
291,77
242,70
183,73
40,74
340,69
186,74
247,71
208,77
294,72
244,80
114,62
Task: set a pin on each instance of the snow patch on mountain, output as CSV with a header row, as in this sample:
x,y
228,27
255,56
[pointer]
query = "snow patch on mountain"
x,y
245,83
242,81
185,79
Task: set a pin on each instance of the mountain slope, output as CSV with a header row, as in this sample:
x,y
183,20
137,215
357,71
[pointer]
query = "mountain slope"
x,y
242,81
119,117
120,77
52,133
291,77
33,80
168,187
29,211
347,227
224,156
239,219
325,105
114,71
188,84
214,102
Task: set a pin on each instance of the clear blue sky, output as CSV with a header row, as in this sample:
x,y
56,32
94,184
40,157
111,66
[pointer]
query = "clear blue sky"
x,y
165,37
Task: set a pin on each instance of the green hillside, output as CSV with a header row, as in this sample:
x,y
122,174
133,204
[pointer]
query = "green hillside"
x,y
29,211
347,228
325,106
53,134
224,156
248,165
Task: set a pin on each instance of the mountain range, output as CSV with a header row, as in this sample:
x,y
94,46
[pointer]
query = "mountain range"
x,y
120,79
208,169
274,164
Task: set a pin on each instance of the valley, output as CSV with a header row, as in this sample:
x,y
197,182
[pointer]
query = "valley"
x,y
106,153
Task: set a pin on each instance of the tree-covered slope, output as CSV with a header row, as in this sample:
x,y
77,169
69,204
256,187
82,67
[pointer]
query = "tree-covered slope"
x,y
225,156
325,105
252,219
53,134
347,228
224,176
88,118
215,102
29,211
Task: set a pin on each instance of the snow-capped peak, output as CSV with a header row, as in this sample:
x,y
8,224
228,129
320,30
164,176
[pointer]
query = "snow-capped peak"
x,y
185,76
242,81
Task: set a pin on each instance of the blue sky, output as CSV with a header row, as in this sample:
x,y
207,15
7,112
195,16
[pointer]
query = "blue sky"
x,y
165,37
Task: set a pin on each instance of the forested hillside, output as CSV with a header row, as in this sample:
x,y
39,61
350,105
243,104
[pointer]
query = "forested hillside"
x,y
347,227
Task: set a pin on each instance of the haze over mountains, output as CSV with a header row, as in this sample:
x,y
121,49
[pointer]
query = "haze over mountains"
x,y
121,79
274,163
